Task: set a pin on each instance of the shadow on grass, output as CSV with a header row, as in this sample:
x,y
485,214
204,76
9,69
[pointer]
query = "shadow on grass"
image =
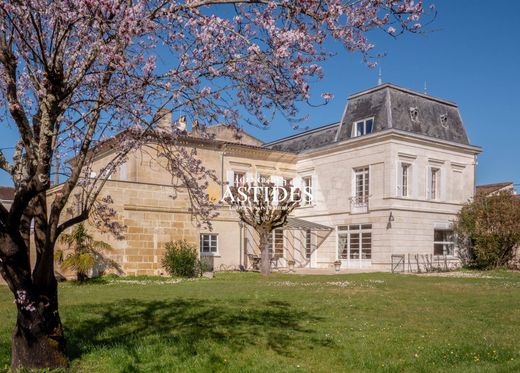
x,y
187,327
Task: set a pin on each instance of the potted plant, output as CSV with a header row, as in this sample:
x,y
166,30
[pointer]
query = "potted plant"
x,y
337,265
291,263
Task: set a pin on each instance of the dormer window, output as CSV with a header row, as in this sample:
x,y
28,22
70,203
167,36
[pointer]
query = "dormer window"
x,y
414,114
363,127
444,120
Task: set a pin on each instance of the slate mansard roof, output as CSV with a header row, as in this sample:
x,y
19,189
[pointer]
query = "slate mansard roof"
x,y
392,107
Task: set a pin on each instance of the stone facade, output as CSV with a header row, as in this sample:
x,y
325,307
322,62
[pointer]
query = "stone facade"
x,y
360,225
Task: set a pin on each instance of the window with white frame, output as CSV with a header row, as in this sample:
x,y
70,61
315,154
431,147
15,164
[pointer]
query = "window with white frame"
x,y
362,127
355,242
404,179
361,185
264,179
435,182
287,181
443,242
308,244
208,244
276,243
239,179
307,186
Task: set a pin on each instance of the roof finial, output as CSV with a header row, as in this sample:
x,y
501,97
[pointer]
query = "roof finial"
x,y
380,77
425,88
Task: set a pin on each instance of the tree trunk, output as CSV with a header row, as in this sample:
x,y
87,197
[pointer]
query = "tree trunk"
x,y
264,253
38,340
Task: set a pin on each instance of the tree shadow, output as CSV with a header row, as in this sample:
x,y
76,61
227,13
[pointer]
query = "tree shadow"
x,y
185,325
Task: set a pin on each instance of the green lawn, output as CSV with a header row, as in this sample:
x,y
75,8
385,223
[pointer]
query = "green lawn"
x,y
243,322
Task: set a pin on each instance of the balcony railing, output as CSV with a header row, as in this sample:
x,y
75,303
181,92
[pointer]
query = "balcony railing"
x,y
358,204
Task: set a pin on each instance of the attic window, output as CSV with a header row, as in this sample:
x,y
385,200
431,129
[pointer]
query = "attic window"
x,y
444,120
414,114
363,127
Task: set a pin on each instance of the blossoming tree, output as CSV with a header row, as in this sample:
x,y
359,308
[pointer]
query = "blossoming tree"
x,y
74,73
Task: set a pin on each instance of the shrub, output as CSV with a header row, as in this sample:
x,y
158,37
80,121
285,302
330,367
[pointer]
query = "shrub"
x,y
180,259
488,229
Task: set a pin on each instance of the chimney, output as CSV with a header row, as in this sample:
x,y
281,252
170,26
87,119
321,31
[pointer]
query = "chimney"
x,y
165,120
195,129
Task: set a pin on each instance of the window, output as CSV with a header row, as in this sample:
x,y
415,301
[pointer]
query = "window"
x,y
434,183
287,181
404,179
363,127
307,186
443,242
264,179
276,243
208,244
308,244
239,179
355,241
361,185
414,114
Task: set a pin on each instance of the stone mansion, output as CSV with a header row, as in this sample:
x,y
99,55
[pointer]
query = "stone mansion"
x,y
387,179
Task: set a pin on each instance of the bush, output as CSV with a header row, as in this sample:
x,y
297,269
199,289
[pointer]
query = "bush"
x,y
488,229
180,259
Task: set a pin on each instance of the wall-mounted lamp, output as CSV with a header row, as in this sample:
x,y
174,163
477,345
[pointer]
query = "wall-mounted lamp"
x,y
390,220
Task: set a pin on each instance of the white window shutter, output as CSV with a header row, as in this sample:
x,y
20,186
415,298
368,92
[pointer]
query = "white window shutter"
x,y
230,177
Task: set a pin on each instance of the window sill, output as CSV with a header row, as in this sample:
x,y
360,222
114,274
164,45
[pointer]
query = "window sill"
x,y
215,255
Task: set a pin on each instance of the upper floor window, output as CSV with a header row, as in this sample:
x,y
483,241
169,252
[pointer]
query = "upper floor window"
x,y
208,244
361,185
363,127
264,179
307,186
404,179
287,181
239,179
435,182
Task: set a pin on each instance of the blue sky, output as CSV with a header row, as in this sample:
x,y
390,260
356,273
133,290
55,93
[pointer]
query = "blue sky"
x,y
472,57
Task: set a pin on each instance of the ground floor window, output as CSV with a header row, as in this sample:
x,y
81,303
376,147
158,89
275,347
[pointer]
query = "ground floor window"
x,y
443,242
276,243
208,244
355,241
308,244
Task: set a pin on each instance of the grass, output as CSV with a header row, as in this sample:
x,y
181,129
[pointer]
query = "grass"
x,y
241,322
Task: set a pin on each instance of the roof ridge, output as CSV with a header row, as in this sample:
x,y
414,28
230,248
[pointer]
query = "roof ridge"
x,y
402,89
